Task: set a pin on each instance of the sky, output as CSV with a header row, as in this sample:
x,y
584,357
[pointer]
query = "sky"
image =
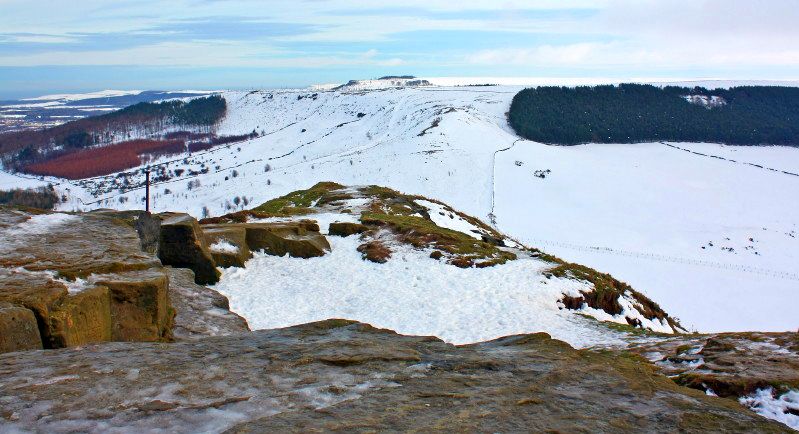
x,y
53,46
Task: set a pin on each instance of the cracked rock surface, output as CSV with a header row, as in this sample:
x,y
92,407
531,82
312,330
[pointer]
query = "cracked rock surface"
x,y
339,375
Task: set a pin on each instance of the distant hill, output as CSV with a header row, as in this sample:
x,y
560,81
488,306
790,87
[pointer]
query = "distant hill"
x,y
51,110
632,113
115,141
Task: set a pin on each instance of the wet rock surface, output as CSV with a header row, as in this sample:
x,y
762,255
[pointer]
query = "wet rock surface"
x,y
339,375
71,245
729,365
200,311
147,226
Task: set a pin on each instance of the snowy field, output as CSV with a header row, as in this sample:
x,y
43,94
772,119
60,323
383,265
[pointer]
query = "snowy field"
x,y
715,242
641,212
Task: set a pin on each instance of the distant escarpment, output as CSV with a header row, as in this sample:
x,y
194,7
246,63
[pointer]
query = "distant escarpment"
x,y
634,113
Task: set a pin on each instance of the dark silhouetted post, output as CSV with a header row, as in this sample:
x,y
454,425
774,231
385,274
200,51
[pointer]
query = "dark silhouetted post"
x,y
147,191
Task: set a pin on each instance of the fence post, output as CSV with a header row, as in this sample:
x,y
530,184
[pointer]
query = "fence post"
x,y
147,190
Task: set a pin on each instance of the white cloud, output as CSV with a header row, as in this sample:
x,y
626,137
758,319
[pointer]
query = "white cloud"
x,y
392,62
588,55
623,33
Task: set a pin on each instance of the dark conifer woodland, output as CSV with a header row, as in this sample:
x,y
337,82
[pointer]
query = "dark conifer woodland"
x,y
634,113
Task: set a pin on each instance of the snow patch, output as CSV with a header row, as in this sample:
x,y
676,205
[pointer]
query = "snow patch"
x,y
447,219
783,409
57,379
411,294
75,286
81,96
706,101
39,224
224,246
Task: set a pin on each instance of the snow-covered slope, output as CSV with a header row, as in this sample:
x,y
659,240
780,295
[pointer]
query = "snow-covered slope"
x,y
715,242
641,212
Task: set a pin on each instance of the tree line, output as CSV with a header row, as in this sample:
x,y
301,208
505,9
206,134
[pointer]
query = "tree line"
x,y
634,113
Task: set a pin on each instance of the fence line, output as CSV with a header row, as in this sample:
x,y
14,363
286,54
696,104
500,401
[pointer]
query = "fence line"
x,y
671,259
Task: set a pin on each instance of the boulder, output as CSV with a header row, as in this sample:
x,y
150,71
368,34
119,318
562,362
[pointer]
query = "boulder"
x,y
139,305
345,229
297,239
36,292
18,329
227,244
63,319
82,318
182,245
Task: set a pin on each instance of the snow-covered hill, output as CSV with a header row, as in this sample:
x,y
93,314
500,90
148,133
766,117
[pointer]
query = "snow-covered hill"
x,y
710,232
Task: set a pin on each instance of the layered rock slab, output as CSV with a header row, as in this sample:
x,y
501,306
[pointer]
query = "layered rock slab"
x,y
201,311
85,278
298,239
340,375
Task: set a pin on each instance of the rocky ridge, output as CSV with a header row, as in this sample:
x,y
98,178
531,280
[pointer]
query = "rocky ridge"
x,y
384,220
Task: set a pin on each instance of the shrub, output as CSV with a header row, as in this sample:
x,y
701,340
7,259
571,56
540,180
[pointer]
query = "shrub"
x,y
42,197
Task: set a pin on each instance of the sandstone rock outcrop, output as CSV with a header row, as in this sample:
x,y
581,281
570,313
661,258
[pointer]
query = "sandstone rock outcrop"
x,y
140,307
82,318
298,239
345,229
147,226
228,244
18,329
730,365
344,376
182,245
84,277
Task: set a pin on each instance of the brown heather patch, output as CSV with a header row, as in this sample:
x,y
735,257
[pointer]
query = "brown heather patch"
x,y
375,251
606,293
